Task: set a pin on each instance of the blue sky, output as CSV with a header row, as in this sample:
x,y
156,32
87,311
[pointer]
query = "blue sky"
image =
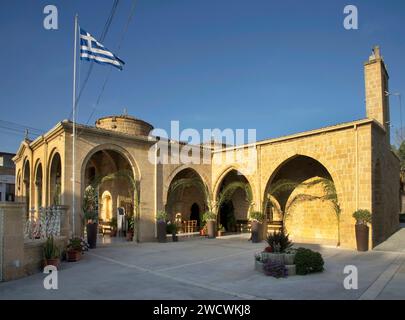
x,y
277,66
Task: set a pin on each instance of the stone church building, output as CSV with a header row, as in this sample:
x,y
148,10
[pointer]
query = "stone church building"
x,y
356,156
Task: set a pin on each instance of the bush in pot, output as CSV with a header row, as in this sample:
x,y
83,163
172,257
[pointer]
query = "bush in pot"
x,y
221,230
91,218
51,253
91,215
131,227
362,217
210,219
114,226
171,228
161,217
256,218
74,249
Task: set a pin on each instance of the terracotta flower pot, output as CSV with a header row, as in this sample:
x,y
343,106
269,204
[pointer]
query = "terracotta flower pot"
x,y
129,235
73,255
52,262
362,232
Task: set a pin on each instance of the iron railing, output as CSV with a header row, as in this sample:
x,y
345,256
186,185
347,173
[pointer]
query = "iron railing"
x,y
43,223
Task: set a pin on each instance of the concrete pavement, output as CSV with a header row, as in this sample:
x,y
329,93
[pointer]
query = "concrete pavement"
x,y
210,269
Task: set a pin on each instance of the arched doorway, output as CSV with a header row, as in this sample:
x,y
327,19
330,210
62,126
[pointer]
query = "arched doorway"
x,y
26,186
110,176
185,197
38,186
235,209
106,206
55,180
299,193
195,213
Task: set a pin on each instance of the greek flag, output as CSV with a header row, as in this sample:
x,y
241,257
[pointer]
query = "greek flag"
x,y
92,50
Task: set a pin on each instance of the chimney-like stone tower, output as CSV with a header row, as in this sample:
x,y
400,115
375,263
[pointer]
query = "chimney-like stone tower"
x,y
376,80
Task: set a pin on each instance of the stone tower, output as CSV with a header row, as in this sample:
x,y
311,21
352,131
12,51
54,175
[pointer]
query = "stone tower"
x,y
376,81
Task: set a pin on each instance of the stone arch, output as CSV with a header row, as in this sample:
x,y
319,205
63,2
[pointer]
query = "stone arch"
x,y
54,178
26,187
113,147
108,159
38,184
106,206
173,174
311,219
18,185
182,201
235,211
217,184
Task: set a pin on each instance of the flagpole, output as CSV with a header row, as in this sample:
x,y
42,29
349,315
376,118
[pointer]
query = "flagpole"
x,y
74,131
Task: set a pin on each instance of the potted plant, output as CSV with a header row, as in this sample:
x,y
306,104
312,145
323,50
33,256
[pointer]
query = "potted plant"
x,y
74,250
161,217
256,218
210,219
203,229
91,228
221,230
51,253
171,228
362,217
113,225
91,214
130,230
278,246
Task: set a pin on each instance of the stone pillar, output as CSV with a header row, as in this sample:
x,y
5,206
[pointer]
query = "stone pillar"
x,y
12,220
65,213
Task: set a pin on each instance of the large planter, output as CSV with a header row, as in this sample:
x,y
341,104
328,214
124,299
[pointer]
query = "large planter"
x,y
289,258
256,232
73,255
362,232
161,231
52,262
92,229
211,228
279,257
130,235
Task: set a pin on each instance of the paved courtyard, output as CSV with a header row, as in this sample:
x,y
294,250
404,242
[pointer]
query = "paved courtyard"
x,y
210,269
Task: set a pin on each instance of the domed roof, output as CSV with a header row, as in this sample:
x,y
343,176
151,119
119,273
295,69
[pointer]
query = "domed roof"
x,y
125,124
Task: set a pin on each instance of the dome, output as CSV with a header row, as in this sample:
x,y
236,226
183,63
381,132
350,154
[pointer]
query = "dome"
x,y
125,124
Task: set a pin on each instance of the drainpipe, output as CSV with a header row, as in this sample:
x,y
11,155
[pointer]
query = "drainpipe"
x,y
156,187
356,133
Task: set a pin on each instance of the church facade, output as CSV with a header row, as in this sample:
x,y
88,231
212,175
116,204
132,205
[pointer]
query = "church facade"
x,y
356,156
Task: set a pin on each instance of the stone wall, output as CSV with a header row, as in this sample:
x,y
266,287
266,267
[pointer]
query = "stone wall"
x,y
19,258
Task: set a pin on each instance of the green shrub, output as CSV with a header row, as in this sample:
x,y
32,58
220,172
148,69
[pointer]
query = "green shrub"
x,y
171,228
161,216
278,241
308,261
257,216
51,251
362,216
207,216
